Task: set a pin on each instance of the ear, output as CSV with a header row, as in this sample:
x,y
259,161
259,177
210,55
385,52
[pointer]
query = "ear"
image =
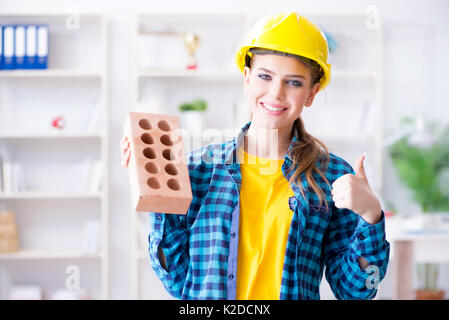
x,y
312,94
246,75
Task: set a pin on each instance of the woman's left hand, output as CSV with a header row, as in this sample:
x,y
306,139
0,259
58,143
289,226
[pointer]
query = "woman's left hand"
x,y
354,193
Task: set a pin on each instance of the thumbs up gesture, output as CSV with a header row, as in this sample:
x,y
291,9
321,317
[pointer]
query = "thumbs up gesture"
x,y
354,193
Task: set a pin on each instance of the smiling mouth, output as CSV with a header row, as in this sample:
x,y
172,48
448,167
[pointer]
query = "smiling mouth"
x,y
272,108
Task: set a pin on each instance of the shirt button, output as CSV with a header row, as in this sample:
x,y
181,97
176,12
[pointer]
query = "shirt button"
x,y
231,276
232,234
362,237
159,218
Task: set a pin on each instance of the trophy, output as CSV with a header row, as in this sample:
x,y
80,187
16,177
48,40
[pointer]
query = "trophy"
x,y
191,40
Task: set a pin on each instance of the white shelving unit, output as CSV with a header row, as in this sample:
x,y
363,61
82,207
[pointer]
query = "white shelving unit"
x,y
54,206
346,116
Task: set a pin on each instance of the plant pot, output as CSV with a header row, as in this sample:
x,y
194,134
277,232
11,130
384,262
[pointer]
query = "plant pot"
x,y
429,221
430,294
192,120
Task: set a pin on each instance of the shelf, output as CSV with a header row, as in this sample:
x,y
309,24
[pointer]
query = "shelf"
x,y
353,74
45,254
50,15
52,136
49,73
48,195
234,75
352,138
182,73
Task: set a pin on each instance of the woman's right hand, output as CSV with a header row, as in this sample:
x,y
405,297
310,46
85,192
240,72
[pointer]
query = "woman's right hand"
x,y
125,151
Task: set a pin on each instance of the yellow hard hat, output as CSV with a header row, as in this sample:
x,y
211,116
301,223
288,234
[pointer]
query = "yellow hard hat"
x,y
288,33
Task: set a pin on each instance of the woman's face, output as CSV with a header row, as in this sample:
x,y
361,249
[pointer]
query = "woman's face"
x,y
278,87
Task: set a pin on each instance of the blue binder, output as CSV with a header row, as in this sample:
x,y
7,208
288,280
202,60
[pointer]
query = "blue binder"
x,y
8,47
1,47
31,47
19,46
42,47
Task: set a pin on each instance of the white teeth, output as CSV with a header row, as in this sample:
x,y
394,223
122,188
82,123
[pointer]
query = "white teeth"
x,y
272,108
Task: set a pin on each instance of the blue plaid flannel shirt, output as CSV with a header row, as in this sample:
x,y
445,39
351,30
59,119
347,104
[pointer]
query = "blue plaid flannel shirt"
x,y
201,247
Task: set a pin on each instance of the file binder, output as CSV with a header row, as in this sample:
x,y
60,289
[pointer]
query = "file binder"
x,y
8,47
31,46
19,46
1,55
42,47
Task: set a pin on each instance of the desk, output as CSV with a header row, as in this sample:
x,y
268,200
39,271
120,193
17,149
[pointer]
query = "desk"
x,y
413,246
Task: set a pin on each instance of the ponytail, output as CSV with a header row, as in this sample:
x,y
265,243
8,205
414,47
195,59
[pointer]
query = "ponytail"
x,y
305,153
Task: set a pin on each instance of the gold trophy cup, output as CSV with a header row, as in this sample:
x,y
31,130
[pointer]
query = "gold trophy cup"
x,y
191,40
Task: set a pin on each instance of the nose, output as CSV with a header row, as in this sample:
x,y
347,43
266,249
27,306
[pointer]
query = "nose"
x,y
277,90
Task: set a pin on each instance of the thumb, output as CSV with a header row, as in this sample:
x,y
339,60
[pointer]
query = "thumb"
x,y
359,168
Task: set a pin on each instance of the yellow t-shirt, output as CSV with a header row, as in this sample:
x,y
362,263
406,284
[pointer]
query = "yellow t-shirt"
x,y
265,219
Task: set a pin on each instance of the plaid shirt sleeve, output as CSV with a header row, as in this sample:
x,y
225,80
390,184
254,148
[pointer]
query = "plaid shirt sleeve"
x,y
348,238
168,231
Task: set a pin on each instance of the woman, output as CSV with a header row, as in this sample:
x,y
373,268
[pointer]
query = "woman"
x,y
273,207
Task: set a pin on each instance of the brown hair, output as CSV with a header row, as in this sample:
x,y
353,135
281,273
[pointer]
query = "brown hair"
x,y
308,150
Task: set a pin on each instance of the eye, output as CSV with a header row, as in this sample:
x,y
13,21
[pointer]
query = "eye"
x,y
264,76
294,83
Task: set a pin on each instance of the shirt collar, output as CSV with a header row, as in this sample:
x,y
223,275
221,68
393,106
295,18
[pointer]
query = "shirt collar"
x,y
231,153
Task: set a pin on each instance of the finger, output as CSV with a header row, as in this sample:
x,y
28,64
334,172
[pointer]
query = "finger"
x,y
340,181
125,159
339,196
124,148
337,193
359,167
340,203
343,188
124,141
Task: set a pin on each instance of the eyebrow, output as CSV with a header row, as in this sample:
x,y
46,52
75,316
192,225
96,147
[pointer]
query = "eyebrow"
x,y
288,75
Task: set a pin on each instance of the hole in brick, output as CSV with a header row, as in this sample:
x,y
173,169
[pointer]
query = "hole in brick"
x,y
165,139
174,184
171,169
147,138
153,183
145,124
168,154
151,167
149,153
164,125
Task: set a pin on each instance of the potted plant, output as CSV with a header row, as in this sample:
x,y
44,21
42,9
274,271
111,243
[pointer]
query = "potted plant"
x,y
192,114
427,277
421,160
